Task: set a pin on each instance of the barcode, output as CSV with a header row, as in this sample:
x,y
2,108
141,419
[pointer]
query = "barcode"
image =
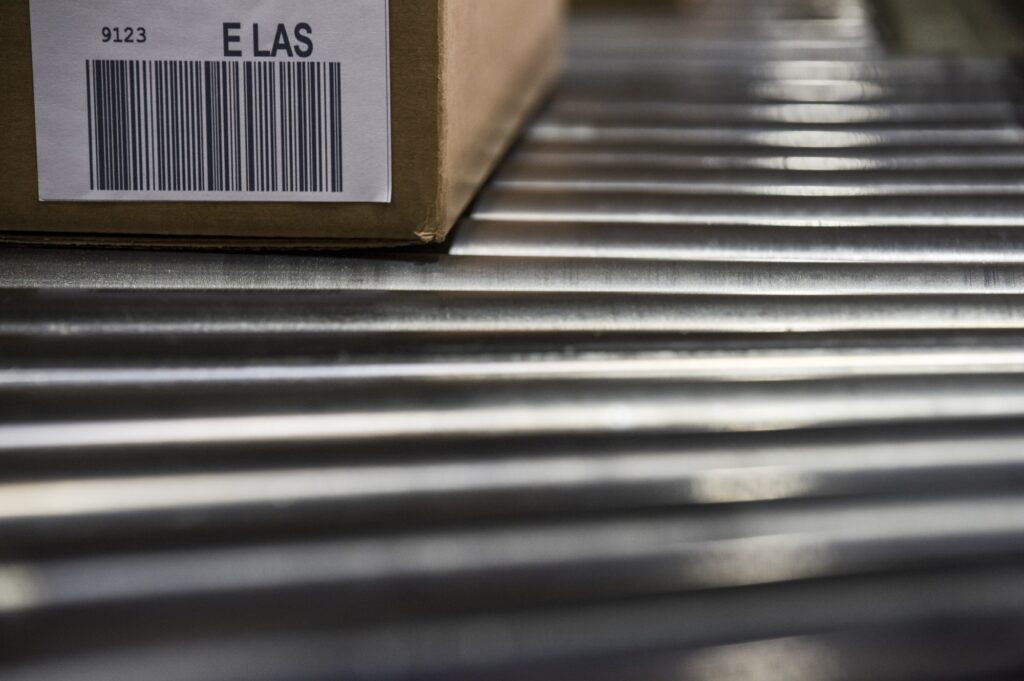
x,y
209,126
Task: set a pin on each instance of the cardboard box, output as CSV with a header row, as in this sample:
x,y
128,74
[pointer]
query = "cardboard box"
x,y
464,76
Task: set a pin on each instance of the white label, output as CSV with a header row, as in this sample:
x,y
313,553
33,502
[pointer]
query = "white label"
x,y
200,100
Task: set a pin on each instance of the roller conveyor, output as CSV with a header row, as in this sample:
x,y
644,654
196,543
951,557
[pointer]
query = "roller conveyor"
x,y
721,377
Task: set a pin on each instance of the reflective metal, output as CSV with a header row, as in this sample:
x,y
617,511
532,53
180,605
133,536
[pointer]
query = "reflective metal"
x,y
912,71
766,183
193,415
568,111
556,157
925,357
58,269
793,137
732,243
664,473
520,644
632,207
658,87
643,555
154,314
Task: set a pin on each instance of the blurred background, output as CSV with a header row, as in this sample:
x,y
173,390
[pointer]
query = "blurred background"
x,y
720,378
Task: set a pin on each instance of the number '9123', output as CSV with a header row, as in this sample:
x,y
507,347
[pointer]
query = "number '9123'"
x,y
127,34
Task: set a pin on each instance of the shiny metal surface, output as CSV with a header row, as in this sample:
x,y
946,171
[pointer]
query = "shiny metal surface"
x,y
156,314
708,551
552,158
195,417
732,243
570,478
57,269
891,68
721,378
574,112
807,90
711,364
771,183
835,137
630,207
517,643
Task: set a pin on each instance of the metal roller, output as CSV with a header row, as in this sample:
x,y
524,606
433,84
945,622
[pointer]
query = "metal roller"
x,y
624,207
635,556
518,644
159,313
731,243
768,183
569,111
555,157
52,269
514,480
835,137
207,416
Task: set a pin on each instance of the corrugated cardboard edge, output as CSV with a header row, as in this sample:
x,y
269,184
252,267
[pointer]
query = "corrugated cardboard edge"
x,y
535,52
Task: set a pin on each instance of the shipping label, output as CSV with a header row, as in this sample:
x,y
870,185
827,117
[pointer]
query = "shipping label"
x,y
200,100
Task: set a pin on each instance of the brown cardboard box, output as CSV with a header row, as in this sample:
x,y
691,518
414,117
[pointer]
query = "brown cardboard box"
x,y
464,76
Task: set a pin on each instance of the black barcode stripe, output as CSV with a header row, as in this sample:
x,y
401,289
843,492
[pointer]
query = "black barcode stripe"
x,y
118,127
189,126
338,132
88,96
